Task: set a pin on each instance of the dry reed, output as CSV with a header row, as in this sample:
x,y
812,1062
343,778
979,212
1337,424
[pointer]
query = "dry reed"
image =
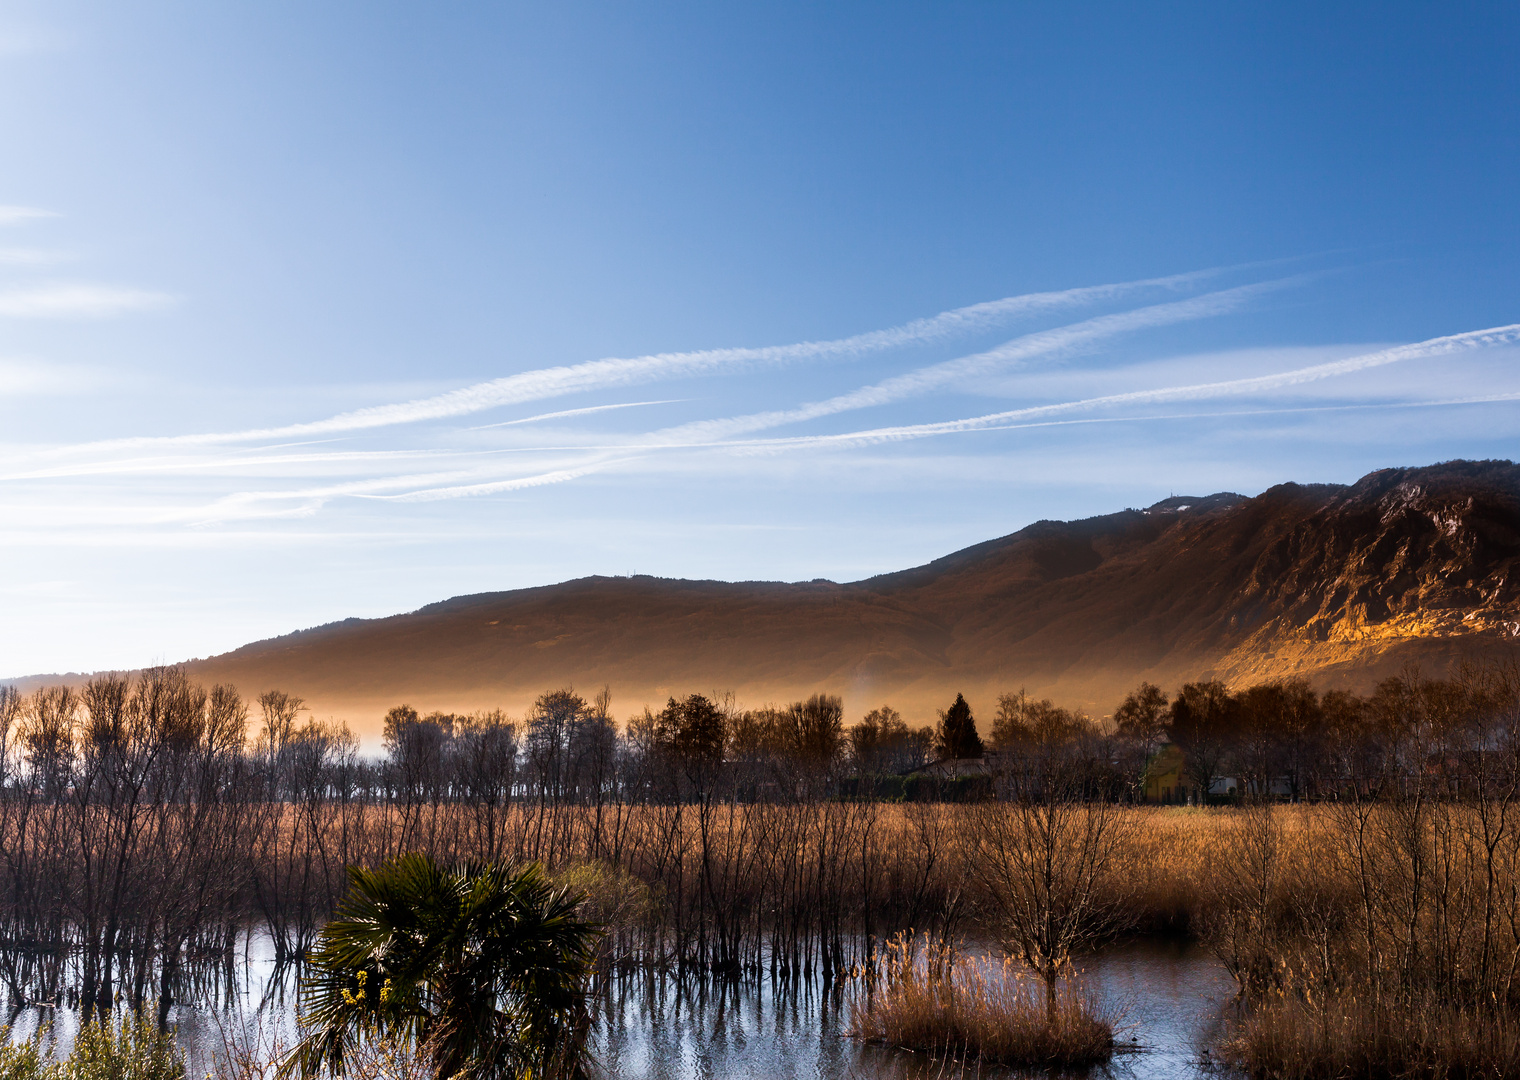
x,y
921,996
1294,1036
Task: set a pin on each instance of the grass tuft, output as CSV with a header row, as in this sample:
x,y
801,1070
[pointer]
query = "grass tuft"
x,y
921,996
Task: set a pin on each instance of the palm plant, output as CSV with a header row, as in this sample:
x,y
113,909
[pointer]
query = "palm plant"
x,y
481,965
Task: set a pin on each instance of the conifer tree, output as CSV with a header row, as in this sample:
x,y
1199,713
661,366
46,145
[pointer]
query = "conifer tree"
x,y
957,737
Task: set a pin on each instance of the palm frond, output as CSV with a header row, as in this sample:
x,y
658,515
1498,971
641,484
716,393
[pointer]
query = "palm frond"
x,y
482,963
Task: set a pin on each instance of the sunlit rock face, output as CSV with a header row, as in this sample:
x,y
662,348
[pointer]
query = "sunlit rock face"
x,y
1404,556
1341,584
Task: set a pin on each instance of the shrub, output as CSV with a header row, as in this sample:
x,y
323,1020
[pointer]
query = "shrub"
x,y
613,899
129,1047
22,1060
251,1053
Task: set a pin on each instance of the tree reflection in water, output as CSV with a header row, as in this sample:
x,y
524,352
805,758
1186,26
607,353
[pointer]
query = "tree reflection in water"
x,y
650,1025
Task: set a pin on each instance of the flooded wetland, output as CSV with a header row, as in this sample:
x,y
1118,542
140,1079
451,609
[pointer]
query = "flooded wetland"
x,y
726,893
1170,999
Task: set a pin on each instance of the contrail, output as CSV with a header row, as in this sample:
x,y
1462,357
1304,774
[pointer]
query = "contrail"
x,y
495,487
574,412
440,486
615,372
1020,350
447,484
1475,339
425,487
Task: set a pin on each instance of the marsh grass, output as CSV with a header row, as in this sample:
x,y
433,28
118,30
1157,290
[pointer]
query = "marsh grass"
x,y
921,995
1368,938
1300,1036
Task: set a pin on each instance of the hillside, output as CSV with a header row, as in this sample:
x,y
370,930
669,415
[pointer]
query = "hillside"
x,y
1344,584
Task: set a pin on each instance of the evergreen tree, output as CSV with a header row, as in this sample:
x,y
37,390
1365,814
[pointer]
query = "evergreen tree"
x,y
957,737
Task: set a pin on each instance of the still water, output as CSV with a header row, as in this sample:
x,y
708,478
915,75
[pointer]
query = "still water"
x,y
1171,998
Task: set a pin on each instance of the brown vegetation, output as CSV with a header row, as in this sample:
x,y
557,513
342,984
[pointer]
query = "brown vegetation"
x,y
920,995
1373,939
1370,913
1293,1036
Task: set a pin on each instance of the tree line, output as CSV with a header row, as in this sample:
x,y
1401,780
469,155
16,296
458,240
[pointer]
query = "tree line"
x,y
148,823
1446,736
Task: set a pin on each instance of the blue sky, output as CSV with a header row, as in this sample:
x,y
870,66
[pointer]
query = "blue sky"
x,y
309,311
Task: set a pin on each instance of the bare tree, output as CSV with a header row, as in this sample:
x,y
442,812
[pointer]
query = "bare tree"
x,y
281,710
1202,722
883,743
1047,858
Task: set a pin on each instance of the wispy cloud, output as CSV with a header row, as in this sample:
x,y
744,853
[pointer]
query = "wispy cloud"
x,y
587,411
17,215
1476,339
24,375
615,373
1046,416
32,257
416,488
66,301
253,463
210,481
1021,350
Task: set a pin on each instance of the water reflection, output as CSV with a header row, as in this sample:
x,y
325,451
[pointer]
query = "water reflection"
x,y
659,1027
653,1029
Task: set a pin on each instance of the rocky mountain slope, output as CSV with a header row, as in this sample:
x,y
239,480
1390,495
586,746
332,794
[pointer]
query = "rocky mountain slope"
x,y
1343,584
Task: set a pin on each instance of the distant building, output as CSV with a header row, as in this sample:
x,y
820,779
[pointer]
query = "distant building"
x,y
1165,775
1167,780
955,768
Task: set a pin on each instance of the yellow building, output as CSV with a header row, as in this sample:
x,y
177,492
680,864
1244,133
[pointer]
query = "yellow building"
x,y
1166,777
1167,780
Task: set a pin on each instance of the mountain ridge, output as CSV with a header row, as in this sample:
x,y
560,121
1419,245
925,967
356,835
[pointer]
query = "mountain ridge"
x,y
1339,583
